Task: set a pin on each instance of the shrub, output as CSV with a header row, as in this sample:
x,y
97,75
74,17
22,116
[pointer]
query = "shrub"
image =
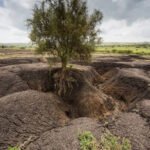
x,y
65,29
3,46
14,148
87,141
108,142
22,47
114,50
111,142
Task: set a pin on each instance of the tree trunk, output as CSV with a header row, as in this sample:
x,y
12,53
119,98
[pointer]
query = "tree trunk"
x,y
64,62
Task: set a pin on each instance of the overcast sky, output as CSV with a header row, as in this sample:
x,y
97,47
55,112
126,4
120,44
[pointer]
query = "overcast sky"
x,y
124,20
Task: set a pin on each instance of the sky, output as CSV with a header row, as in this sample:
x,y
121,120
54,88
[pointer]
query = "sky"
x,y
124,20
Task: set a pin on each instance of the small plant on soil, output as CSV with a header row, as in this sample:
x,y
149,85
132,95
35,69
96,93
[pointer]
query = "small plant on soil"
x,y
14,148
108,142
112,142
87,141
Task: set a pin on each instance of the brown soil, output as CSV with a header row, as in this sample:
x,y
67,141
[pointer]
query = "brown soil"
x,y
133,127
66,138
144,108
14,53
110,89
15,61
15,78
128,85
28,114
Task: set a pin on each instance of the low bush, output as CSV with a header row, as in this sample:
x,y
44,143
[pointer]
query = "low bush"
x,y
112,142
88,141
108,141
14,148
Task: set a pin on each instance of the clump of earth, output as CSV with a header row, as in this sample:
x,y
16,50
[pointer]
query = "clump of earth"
x,y
112,89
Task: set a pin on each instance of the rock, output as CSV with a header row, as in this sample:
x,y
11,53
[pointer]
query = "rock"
x,y
26,115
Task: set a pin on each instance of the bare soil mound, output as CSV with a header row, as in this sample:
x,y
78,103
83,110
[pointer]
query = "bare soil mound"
x,y
66,138
129,125
133,127
17,78
104,64
14,61
26,115
128,85
10,83
37,76
37,121
84,98
90,102
144,108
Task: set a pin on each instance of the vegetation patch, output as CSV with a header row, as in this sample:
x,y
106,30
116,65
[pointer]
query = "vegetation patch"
x,y
14,148
108,141
88,141
139,49
17,46
112,142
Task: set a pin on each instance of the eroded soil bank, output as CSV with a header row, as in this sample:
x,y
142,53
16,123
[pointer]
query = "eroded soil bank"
x,y
113,89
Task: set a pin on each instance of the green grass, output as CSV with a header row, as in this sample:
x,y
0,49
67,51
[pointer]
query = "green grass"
x,y
20,46
108,141
139,49
112,142
13,148
87,141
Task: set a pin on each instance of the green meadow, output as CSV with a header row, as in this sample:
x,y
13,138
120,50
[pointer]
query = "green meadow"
x,y
121,48
140,49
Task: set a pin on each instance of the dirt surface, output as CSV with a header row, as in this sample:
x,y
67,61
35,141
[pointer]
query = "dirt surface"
x,y
133,81
66,138
14,61
112,89
24,116
21,77
16,53
144,108
133,127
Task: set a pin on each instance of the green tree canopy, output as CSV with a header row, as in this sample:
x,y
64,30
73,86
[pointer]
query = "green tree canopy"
x,y
64,28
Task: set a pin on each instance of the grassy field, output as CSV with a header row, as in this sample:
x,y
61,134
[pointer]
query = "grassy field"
x,y
140,49
17,46
117,48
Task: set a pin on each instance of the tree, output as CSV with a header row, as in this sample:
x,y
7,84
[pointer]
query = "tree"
x,y
64,28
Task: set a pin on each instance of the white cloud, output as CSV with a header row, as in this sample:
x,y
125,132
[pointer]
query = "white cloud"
x,y
120,31
13,35
121,23
13,17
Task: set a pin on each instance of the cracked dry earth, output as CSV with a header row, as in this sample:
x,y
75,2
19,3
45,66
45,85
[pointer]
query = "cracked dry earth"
x,y
113,89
